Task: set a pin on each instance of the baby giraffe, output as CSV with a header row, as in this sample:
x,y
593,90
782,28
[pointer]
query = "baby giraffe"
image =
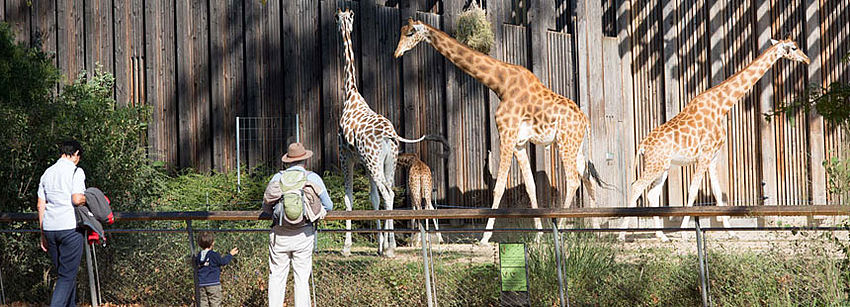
x,y
419,185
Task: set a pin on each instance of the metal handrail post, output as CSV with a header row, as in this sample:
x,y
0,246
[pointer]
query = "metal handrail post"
x,y
703,274
238,160
194,266
562,286
90,270
428,292
2,289
96,273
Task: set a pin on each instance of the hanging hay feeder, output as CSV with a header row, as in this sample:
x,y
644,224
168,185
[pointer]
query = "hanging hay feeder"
x,y
474,30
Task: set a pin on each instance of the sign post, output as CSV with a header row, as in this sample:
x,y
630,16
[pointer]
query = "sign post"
x,y
513,273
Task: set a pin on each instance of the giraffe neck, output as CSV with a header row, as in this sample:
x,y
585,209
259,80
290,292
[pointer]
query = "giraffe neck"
x,y
350,72
482,67
741,82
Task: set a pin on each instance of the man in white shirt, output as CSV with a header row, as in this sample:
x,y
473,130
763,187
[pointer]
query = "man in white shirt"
x,y
61,188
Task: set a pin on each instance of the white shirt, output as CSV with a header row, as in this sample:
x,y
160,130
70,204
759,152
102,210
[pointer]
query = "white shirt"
x,y
56,186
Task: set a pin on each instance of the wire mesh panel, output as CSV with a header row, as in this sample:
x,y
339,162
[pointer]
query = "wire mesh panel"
x,y
262,140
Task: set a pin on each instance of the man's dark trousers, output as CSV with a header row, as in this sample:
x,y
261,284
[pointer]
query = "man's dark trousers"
x,y
66,249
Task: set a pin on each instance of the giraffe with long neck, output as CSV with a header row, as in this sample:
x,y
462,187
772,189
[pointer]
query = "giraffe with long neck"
x,y
528,111
697,133
370,139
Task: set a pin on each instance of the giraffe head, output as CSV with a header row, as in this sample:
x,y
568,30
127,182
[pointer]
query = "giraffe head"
x,y
411,34
345,20
788,49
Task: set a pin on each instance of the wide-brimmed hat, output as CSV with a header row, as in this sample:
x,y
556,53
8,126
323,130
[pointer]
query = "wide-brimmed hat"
x,y
296,152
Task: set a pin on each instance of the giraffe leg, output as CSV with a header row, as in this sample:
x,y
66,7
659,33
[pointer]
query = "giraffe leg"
x,y
391,155
528,176
654,197
426,187
718,193
506,148
374,197
569,157
647,177
415,202
389,242
348,174
693,189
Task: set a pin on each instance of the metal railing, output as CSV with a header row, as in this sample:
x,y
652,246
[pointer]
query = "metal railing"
x,y
432,292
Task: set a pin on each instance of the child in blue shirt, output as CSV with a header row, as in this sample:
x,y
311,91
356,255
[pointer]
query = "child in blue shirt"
x,y
209,264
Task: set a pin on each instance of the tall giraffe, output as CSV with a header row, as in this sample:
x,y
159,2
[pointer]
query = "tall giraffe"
x,y
368,138
528,111
696,134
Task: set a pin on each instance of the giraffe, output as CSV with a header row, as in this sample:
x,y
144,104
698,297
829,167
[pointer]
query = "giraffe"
x,y
696,134
419,185
368,138
528,111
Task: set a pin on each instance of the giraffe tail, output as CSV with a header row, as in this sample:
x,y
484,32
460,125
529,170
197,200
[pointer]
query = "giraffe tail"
x,y
593,173
447,150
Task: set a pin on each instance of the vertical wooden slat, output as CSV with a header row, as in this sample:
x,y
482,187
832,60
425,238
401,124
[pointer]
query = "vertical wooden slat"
x,y
766,129
432,110
835,42
227,78
591,97
628,143
561,81
792,139
387,88
497,14
70,42
810,38
193,84
301,77
676,180
332,80
44,26
542,13
98,35
647,66
453,102
263,94
18,17
160,80
611,164
122,12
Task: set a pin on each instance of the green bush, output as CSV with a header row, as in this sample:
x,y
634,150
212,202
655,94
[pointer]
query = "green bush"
x,y
36,120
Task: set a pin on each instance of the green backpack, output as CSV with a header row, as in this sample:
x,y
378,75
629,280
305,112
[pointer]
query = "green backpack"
x,y
290,209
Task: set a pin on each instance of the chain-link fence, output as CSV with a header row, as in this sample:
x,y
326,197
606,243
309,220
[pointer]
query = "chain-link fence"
x,y
149,266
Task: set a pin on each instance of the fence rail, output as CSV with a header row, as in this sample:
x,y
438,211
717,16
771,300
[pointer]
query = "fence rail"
x,y
369,215
443,270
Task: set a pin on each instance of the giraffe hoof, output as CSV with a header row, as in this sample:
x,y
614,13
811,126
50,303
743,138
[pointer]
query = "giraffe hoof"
x,y
389,253
346,252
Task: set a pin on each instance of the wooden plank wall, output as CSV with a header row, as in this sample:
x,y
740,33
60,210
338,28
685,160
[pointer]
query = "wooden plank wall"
x,y
198,64
835,44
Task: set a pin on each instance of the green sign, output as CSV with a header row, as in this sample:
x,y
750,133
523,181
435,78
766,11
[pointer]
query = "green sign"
x,y
512,267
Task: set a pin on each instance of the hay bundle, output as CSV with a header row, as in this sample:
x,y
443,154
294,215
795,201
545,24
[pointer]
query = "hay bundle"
x,y
473,29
